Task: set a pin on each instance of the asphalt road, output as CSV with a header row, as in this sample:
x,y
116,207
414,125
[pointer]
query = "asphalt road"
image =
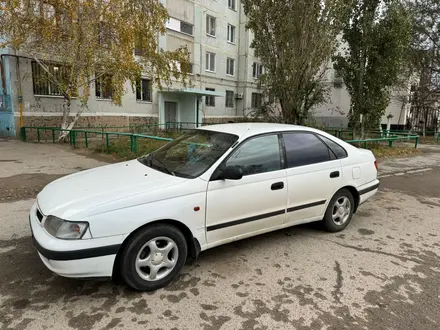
x,y
382,272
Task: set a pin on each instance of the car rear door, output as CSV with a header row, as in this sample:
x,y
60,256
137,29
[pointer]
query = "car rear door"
x,y
314,175
240,208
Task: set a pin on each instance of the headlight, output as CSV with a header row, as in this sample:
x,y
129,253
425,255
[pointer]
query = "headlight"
x,y
63,229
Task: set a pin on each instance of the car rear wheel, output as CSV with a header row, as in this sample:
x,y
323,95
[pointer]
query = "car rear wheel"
x,y
339,211
153,257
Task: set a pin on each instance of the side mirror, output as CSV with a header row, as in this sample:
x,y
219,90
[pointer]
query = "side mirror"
x,y
232,173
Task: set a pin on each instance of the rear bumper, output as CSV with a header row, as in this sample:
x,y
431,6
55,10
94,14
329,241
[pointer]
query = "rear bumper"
x,y
368,190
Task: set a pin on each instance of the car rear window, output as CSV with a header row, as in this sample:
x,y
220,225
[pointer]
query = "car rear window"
x,y
336,148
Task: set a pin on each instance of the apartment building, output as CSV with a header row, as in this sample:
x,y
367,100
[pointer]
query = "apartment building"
x,y
334,112
223,80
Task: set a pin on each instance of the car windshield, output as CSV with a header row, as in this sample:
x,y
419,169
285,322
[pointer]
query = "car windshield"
x,y
190,155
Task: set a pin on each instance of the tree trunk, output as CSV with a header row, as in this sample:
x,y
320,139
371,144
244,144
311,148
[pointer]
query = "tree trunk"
x,y
289,112
362,129
66,126
388,126
66,113
72,123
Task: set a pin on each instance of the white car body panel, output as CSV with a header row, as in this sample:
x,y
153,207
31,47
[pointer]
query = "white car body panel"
x,y
311,185
118,199
82,268
102,189
224,207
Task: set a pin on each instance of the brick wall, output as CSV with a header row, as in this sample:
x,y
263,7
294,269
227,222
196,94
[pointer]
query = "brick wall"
x,y
100,121
84,121
223,120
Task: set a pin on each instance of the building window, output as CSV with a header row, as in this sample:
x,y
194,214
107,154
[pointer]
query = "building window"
x,y
230,64
41,82
103,87
210,62
338,80
256,100
231,33
186,28
210,25
106,36
257,70
271,99
229,99
139,50
143,90
180,26
231,4
210,100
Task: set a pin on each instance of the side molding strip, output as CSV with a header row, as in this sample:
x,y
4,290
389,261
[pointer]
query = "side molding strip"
x,y
367,190
305,206
263,216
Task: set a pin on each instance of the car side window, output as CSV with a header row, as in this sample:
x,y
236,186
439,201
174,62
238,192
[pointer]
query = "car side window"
x,y
305,149
336,148
258,155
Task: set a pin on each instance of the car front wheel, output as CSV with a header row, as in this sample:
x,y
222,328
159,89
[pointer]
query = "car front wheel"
x,y
153,257
339,211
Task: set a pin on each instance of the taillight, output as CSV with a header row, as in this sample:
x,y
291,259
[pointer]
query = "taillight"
x,y
375,164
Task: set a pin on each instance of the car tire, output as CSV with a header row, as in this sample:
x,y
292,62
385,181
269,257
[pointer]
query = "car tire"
x,y
153,257
339,211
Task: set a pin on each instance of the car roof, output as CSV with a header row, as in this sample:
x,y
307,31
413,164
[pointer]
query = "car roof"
x,y
251,129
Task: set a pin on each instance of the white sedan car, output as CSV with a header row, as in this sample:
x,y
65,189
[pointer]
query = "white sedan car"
x,y
143,218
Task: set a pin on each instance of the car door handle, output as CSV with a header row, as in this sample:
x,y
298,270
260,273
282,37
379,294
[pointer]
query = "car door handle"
x,y
277,186
334,174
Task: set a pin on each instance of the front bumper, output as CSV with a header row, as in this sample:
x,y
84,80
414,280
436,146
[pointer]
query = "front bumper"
x,y
74,258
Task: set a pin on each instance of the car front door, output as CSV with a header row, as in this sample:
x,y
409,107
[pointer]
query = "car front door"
x,y
255,203
314,175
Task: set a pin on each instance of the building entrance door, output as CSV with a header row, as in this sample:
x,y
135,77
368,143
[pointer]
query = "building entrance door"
x,y
171,114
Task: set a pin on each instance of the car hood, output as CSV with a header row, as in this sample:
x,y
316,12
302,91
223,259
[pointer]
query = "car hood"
x,y
90,189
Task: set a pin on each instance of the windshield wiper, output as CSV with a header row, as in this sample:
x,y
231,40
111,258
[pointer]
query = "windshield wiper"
x,y
164,166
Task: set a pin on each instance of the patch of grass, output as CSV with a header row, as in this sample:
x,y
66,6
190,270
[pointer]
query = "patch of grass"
x,y
428,140
381,151
120,148
167,134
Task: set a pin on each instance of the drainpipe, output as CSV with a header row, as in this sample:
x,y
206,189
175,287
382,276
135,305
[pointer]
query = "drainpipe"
x,y
20,92
239,54
197,112
2,75
245,89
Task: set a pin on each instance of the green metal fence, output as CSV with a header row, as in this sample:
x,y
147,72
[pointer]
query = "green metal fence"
x,y
390,140
74,133
88,133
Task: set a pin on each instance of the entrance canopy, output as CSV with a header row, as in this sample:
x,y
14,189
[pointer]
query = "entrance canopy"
x,y
193,91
